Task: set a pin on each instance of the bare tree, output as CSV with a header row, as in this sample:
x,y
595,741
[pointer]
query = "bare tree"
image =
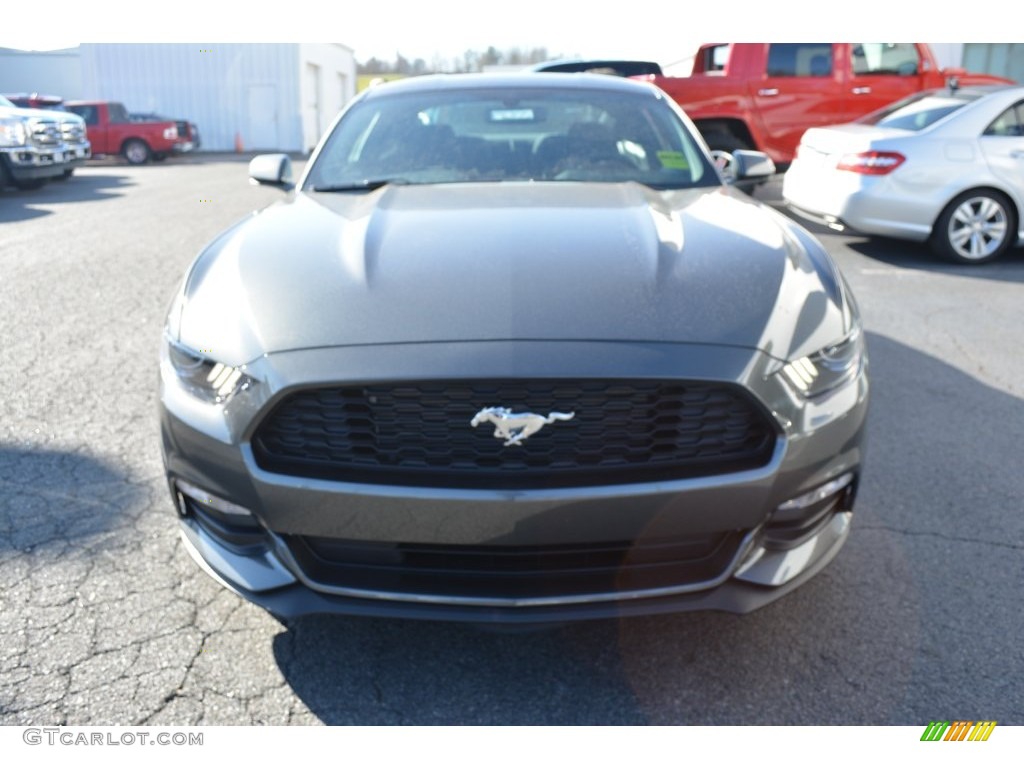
x,y
471,60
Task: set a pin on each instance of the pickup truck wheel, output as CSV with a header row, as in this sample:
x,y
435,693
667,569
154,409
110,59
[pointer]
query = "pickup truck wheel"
x,y
136,152
66,175
976,227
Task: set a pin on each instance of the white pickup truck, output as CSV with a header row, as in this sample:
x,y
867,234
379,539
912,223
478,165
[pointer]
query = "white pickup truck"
x,y
32,147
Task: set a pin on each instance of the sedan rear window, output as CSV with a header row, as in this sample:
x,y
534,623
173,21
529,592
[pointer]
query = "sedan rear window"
x,y
919,111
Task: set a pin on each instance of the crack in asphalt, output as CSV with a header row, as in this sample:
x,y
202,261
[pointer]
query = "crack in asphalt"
x,y
968,352
945,537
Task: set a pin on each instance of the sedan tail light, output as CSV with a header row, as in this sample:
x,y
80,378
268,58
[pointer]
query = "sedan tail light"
x,y
871,163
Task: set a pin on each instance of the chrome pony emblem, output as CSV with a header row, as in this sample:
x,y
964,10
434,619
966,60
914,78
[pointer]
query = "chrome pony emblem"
x,y
513,428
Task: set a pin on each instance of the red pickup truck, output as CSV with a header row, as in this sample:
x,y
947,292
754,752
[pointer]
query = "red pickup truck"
x,y
113,132
764,96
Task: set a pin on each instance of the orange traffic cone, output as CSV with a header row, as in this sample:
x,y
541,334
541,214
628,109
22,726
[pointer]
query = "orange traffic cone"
x,y
238,143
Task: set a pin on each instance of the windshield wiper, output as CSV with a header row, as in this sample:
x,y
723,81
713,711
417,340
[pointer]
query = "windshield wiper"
x,y
367,185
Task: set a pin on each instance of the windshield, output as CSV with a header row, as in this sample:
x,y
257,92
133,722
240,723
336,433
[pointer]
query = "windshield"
x,y
919,111
510,134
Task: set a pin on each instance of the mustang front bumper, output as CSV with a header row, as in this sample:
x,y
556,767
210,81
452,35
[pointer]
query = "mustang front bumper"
x,y
758,533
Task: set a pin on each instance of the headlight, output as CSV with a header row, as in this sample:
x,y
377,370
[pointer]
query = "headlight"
x,y
206,379
13,132
827,368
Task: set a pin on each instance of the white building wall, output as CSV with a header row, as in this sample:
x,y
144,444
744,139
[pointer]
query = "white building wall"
x,y
243,91
1003,59
948,54
327,76
55,73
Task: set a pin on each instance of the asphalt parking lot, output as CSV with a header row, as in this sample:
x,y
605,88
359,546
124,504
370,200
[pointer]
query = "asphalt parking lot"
x,y
106,620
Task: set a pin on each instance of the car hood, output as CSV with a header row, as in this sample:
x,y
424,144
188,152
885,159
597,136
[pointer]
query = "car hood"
x,y
49,114
537,261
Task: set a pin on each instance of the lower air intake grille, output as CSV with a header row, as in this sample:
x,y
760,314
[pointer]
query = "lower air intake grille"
x,y
507,572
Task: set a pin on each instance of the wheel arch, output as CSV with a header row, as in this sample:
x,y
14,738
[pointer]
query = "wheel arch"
x,y
986,245
128,139
1015,204
719,130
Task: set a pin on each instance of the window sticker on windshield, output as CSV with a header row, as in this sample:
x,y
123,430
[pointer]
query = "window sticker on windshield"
x,y
676,160
522,115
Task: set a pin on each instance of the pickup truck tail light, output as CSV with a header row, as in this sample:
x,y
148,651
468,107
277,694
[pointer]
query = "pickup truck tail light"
x,y
171,133
871,163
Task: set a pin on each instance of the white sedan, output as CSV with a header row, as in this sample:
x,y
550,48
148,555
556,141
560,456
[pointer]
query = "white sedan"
x,y
944,166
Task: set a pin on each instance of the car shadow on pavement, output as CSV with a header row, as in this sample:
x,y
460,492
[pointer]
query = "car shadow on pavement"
x,y
53,500
912,618
22,205
19,210
908,255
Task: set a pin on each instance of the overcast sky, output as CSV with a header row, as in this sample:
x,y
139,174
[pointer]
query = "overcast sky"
x,y
659,30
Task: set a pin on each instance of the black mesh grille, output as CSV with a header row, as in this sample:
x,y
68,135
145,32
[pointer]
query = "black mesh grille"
x,y
420,433
515,572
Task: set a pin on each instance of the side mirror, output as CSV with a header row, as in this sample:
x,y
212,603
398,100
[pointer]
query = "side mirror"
x,y
274,170
752,165
743,168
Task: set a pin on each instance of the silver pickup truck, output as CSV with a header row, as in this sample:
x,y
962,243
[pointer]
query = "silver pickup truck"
x,y
32,147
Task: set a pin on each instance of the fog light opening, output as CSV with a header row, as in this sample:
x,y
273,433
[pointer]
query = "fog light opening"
x,y
225,507
818,494
801,518
231,525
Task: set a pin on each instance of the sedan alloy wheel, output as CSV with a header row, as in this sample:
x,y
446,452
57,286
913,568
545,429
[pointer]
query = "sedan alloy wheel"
x,y
975,227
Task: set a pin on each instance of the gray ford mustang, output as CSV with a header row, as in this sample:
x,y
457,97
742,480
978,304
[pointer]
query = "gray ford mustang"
x,y
511,352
